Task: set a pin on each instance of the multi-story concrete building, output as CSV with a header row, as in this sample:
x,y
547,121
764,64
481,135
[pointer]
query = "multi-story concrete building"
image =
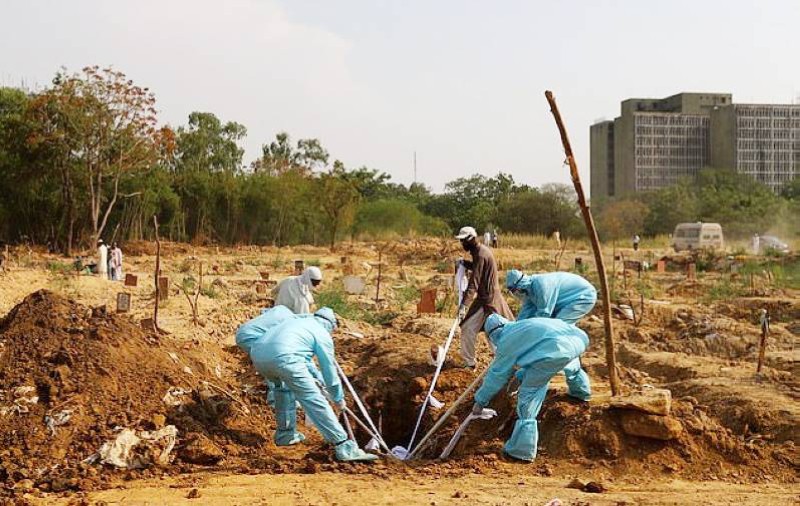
x,y
762,141
655,143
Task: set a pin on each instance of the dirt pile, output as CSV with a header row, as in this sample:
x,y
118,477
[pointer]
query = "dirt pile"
x,y
393,375
72,378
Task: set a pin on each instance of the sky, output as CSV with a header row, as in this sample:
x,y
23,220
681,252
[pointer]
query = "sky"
x,y
459,82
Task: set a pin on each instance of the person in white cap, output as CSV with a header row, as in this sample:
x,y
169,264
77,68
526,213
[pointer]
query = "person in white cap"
x,y
482,297
295,293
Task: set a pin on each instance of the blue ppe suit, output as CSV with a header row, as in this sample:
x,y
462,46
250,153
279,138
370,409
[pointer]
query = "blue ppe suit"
x,y
253,330
540,348
561,295
256,329
285,357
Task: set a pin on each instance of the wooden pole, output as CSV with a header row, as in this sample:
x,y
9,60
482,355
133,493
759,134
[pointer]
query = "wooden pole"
x,y
611,360
155,278
380,266
762,345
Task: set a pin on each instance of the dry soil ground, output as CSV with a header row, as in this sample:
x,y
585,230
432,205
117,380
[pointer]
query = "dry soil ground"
x,y
736,443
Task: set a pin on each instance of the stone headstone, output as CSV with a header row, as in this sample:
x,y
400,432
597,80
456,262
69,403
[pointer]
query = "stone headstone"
x,y
131,280
661,266
353,285
123,302
299,267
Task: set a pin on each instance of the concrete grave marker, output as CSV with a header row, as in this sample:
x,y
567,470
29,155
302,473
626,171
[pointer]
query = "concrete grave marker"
x,y
131,280
353,285
123,302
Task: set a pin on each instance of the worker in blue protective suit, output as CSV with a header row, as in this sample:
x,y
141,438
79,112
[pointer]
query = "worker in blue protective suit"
x,y
561,295
285,357
540,348
258,328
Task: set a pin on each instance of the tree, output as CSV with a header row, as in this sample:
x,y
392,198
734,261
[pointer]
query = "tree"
x,y
541,212
108,126
29,203
208,160
621,218
338,198
393,217
743,206
670,206
279,156
472,200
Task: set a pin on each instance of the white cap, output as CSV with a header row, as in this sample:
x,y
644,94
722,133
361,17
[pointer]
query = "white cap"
x,y
466,233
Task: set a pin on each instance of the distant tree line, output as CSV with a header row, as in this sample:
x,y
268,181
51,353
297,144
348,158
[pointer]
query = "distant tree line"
x,y
87,158
741,205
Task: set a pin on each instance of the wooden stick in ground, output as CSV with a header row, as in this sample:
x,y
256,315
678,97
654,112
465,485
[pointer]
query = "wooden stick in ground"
x,y
158,269
380,266
611,360
762,344
425,439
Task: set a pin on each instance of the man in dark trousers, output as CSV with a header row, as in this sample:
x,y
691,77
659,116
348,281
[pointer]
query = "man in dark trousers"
x,y
483,295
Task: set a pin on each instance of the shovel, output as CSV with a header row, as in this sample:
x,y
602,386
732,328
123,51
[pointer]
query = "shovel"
x,y
404,453
486,414
447,414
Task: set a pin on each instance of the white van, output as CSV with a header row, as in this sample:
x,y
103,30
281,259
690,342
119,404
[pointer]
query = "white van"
x,y
689,236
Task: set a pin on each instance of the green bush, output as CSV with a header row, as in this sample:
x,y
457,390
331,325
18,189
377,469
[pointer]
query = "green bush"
x,y
386,218
406,294
60,267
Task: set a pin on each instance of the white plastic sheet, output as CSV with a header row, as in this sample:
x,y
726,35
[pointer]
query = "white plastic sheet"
x,y
120,451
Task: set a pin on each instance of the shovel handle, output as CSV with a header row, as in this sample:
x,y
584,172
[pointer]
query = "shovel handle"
x,y
447,414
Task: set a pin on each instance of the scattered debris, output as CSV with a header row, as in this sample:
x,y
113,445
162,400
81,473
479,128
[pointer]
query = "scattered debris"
x,y
57,420
126,452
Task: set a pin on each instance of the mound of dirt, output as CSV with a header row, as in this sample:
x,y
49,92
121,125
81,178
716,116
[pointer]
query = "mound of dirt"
x,y
393,375
73,377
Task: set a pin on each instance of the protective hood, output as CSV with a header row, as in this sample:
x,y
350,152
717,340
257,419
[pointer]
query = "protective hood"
x,y
327,317
493,327
309,274
513,277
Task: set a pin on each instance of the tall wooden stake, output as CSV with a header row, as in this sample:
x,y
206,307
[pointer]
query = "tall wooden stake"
x,y
611,360
155,278
762,344
380,266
